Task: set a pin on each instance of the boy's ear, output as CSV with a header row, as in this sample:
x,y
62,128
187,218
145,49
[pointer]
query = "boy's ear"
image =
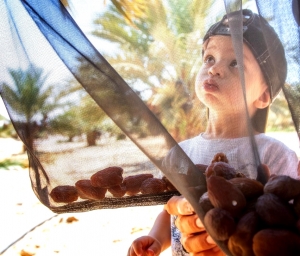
x,y
264,100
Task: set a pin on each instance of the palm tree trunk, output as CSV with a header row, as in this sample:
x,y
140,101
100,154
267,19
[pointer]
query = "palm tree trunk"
x,y
91,138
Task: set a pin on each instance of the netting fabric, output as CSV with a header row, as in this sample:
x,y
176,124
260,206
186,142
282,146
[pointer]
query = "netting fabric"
x,y
133,111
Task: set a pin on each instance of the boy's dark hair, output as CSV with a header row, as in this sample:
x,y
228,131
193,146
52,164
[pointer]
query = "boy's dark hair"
x,y
266,47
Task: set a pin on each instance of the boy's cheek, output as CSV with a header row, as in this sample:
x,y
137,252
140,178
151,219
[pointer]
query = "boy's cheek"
x,y
200,78
202,72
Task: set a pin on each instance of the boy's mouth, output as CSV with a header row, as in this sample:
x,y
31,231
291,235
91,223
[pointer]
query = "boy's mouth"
x,y
210,84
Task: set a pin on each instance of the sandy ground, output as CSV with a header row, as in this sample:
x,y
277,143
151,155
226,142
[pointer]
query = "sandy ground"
x,y
106,232
99,232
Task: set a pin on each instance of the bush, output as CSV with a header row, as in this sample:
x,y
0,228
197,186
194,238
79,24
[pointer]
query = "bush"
x,y
11,162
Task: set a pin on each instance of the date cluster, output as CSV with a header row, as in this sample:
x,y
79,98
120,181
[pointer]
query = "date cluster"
x,y
110,180
250,218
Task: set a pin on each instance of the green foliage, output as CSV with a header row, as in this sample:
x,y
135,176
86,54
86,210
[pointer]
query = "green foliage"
x,y
181,11
65,124
159,55
27,96
7,130
159,51
85,118
279,118
11,162
30,100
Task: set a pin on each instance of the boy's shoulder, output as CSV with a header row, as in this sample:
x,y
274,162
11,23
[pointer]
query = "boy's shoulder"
x,y
263,139
264,142
191,141
268,145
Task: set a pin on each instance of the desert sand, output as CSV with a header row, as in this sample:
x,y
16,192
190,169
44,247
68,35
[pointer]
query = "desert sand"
x,y
102,232
99,232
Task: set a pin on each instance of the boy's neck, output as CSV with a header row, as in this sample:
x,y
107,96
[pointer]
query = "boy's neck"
x,y
226,128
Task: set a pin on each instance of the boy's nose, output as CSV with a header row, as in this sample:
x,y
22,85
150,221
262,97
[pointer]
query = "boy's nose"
x,y
216,70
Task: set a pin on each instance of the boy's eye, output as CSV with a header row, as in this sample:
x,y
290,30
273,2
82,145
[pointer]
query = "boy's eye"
x,y
233,63
209,59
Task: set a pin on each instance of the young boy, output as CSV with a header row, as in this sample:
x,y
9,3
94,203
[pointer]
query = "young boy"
x,y
218,86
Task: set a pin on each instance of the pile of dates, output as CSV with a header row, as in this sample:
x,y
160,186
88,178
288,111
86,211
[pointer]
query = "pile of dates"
x,y
110,180
249,217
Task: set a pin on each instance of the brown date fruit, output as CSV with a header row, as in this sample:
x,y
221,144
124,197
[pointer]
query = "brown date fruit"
x,y
219,224
263,173
153,186
250,206
240,175
275,212
250,188
219,157
118,191
133,183
298,226
64,194
225,195
87,191
296,205
283,186
205,203
270,242
240,242
108,177
169,185
221,169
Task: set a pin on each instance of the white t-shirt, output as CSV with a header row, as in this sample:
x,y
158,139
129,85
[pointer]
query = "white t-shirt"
x,y
280,159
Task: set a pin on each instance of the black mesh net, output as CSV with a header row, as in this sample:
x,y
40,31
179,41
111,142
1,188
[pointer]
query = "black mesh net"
x,y
101,112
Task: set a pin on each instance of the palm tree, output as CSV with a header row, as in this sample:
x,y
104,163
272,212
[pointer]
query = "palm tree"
x,y
29,101
91,117
160,54
159,44
85,118
130,9
65,124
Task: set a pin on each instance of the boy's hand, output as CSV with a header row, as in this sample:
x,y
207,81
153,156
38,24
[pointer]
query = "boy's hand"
x,y
178,205
200,244
194,238
187,221
144,246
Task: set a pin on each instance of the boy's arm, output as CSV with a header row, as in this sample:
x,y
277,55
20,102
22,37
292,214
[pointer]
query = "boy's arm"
x,y
161,230
158,240
194,238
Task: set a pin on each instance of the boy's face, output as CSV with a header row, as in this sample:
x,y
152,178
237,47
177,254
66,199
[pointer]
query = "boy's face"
x,y
218,83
